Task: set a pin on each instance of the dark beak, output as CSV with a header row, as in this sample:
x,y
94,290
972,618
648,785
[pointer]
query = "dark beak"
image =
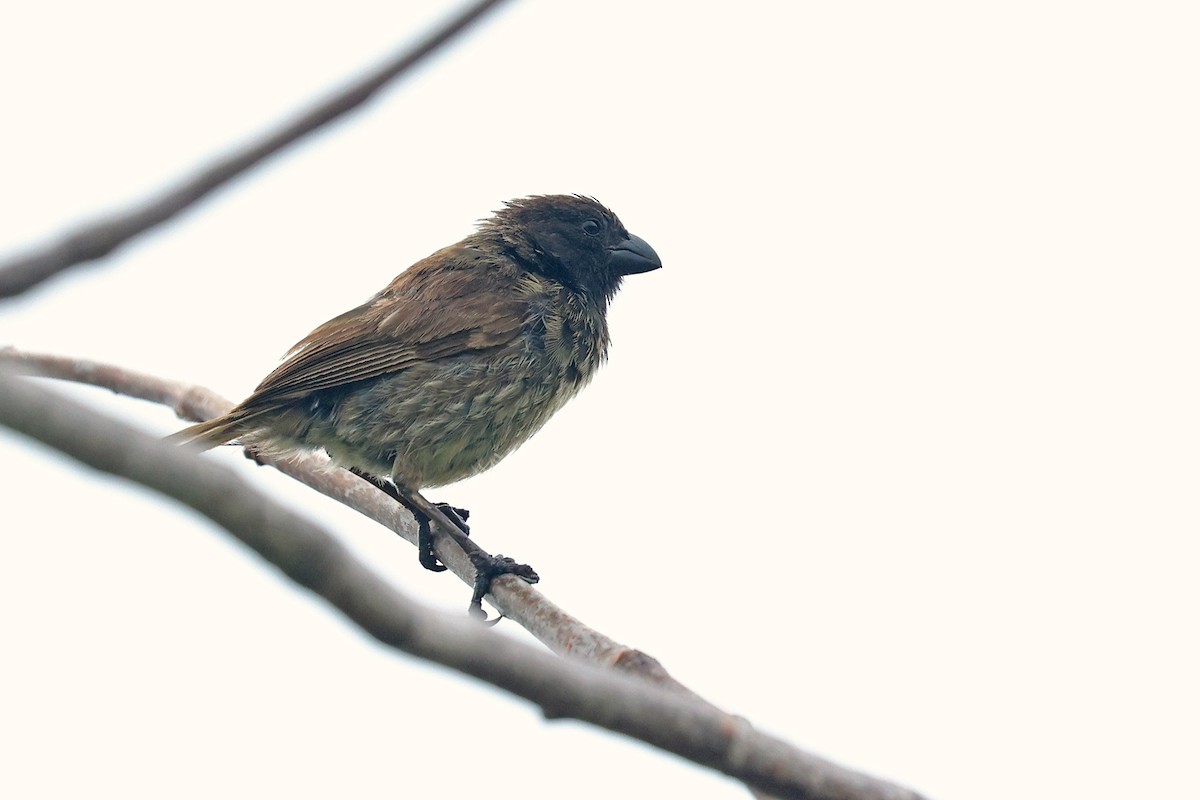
x,y
633,256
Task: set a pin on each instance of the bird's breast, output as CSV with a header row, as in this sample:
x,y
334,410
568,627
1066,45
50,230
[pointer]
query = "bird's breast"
x,y
569,337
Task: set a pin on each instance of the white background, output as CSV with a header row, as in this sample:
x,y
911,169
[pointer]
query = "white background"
x,y
897,456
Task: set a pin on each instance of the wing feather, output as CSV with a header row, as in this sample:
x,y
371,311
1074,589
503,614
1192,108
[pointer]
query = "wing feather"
x,y
440,307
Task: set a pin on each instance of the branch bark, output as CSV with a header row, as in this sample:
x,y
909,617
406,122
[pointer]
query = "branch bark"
x,y
519,601
97,240
658,711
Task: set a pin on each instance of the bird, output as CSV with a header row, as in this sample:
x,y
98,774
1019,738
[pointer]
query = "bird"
x,y
452,365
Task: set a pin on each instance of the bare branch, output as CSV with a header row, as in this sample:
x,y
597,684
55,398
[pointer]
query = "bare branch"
x,y
98,239
519,601
317,561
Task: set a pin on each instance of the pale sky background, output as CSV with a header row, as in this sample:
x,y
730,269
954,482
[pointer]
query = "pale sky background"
x,y
897,457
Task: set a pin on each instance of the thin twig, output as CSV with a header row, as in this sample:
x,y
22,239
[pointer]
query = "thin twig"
x,y
98,239
317,561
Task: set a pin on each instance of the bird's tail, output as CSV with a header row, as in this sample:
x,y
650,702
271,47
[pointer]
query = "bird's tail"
x,y
217,431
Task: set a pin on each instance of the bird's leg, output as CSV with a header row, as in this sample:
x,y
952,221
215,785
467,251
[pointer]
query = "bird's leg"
x,y
453,521
487,567
424,535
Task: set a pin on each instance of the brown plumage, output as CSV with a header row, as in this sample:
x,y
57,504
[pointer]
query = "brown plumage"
x,y
460,359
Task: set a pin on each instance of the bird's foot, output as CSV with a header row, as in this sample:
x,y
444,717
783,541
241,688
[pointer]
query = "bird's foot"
x,y
425,553
487,569
424,534
458,516
425,545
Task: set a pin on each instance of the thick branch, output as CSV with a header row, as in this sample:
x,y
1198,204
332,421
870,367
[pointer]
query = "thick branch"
x,y
94,241
317,561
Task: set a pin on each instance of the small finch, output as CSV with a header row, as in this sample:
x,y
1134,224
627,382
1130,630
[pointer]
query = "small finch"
x,y
457,362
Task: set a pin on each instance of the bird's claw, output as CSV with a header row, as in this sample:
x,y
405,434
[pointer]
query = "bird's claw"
x,y
425,546
487,569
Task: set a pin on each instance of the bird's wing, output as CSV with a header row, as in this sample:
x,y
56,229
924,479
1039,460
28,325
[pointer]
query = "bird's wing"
x,y
443,306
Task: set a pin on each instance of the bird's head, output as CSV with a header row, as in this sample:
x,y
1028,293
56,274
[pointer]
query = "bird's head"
x,y
572,239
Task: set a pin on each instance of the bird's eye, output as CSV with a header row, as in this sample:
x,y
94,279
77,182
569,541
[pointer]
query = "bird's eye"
x,y
591,227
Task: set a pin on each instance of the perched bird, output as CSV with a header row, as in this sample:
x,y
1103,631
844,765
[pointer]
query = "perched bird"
x,y
458,361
